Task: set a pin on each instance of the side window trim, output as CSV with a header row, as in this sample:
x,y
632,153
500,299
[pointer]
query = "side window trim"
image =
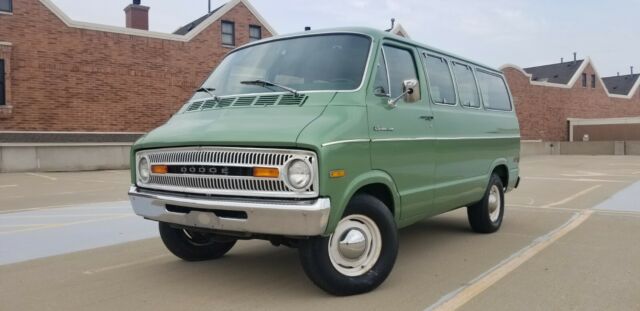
x,y
475,80
386,68
506,88
427,54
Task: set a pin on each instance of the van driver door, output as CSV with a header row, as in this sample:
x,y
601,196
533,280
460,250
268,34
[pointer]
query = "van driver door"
x,y
402,139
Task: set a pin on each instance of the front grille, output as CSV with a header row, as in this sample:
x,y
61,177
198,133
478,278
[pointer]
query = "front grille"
x,y
190,180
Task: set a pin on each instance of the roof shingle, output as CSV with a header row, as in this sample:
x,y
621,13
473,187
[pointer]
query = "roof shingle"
x,y
620,85
188,27
560,73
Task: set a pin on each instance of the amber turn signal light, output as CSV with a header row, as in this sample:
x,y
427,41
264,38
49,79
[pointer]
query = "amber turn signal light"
x,y
337,173
268,172
159,169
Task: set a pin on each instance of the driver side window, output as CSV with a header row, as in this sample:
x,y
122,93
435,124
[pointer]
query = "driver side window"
x,y
401,67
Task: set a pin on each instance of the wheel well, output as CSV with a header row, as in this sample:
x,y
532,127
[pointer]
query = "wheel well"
x,y
502,171
380,192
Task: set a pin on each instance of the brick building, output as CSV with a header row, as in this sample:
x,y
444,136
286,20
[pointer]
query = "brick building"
x,y
548,98
64,80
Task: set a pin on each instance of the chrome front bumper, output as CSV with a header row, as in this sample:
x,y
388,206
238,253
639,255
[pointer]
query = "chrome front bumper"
x,y
290,218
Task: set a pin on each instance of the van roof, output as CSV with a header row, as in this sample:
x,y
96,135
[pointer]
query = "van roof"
x,y
380,35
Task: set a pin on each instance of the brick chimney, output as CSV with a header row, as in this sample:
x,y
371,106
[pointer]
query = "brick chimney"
x,y
137,15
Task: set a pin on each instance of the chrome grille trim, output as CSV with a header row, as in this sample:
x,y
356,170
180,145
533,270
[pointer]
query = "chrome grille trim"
x,y
223,184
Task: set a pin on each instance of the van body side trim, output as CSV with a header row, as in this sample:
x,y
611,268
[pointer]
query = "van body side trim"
x,y
364,140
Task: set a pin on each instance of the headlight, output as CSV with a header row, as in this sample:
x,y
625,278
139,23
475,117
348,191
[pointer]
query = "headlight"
x,y
143,169
299,174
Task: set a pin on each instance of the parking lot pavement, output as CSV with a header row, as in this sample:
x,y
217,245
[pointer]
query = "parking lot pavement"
x,y
568,241
23,191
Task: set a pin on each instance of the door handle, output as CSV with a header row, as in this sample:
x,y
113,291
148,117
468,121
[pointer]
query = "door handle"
x,y
428,118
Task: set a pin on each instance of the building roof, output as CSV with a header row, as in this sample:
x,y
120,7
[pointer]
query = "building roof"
x,y
206,22
560,73
188,27
621,85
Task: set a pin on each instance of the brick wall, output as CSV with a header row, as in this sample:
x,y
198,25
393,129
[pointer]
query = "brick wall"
x,y
71,79
543,111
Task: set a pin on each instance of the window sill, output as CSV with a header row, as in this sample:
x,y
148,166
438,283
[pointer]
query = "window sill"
x,y
228,46
6,13
5,111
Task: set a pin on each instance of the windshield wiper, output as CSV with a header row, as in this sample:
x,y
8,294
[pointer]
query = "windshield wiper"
x,y
209,91
266,84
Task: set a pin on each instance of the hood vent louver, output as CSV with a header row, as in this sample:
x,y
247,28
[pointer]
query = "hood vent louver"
x,y
195,106
244,101
209,104
247,101
292,100
267,100
226,102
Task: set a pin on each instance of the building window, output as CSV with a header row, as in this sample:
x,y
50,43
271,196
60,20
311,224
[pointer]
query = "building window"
x,y
6,6
584,80
228,33
255,33
593,81
3,96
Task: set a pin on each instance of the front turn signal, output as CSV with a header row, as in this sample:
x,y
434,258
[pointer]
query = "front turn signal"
x,y
267,172
337,173
159,169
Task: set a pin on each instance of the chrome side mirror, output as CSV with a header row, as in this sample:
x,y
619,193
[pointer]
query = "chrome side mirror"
x,y
411,93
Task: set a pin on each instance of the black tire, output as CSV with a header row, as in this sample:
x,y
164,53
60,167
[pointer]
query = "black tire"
x,y
480,213
195,246
317,264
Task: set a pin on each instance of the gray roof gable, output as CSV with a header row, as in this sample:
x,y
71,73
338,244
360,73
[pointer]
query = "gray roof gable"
x,y
620,85
188,27
560,73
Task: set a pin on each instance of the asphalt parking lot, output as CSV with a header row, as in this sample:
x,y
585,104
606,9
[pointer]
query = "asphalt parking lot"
x,y
570,240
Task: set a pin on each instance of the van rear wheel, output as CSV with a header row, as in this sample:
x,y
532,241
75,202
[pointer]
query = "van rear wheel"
x,y
194,245
486,215
359,255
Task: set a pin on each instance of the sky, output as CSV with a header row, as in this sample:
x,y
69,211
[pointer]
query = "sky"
x,y
494,32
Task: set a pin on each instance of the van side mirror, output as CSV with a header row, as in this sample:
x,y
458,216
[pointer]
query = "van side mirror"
x,y
411,93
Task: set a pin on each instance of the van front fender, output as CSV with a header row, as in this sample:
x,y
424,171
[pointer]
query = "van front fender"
x,y
339,204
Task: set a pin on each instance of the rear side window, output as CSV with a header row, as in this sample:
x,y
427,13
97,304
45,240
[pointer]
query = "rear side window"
x,y
467,88
440,80
494,91
401,67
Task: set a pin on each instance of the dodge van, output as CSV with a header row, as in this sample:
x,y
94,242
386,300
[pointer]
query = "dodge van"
x,y
329,142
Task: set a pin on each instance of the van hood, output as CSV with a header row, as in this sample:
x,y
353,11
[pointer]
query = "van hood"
x,y
268,126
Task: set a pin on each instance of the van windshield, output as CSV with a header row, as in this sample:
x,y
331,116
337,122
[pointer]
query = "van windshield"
x,y
322,62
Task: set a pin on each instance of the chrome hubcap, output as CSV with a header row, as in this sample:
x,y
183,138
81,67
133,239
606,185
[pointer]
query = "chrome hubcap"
x,y
494,203
355,246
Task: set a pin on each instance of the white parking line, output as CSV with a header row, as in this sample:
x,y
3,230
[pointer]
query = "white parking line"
x,y
124,265
42,176
66,224
63,230
577,179
572,197
464,294
69,206
7,186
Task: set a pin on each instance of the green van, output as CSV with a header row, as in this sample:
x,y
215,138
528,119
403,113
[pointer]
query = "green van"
x,y
329,142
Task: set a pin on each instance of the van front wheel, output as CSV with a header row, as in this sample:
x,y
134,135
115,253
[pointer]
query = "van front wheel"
x,y
486,215
359,255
